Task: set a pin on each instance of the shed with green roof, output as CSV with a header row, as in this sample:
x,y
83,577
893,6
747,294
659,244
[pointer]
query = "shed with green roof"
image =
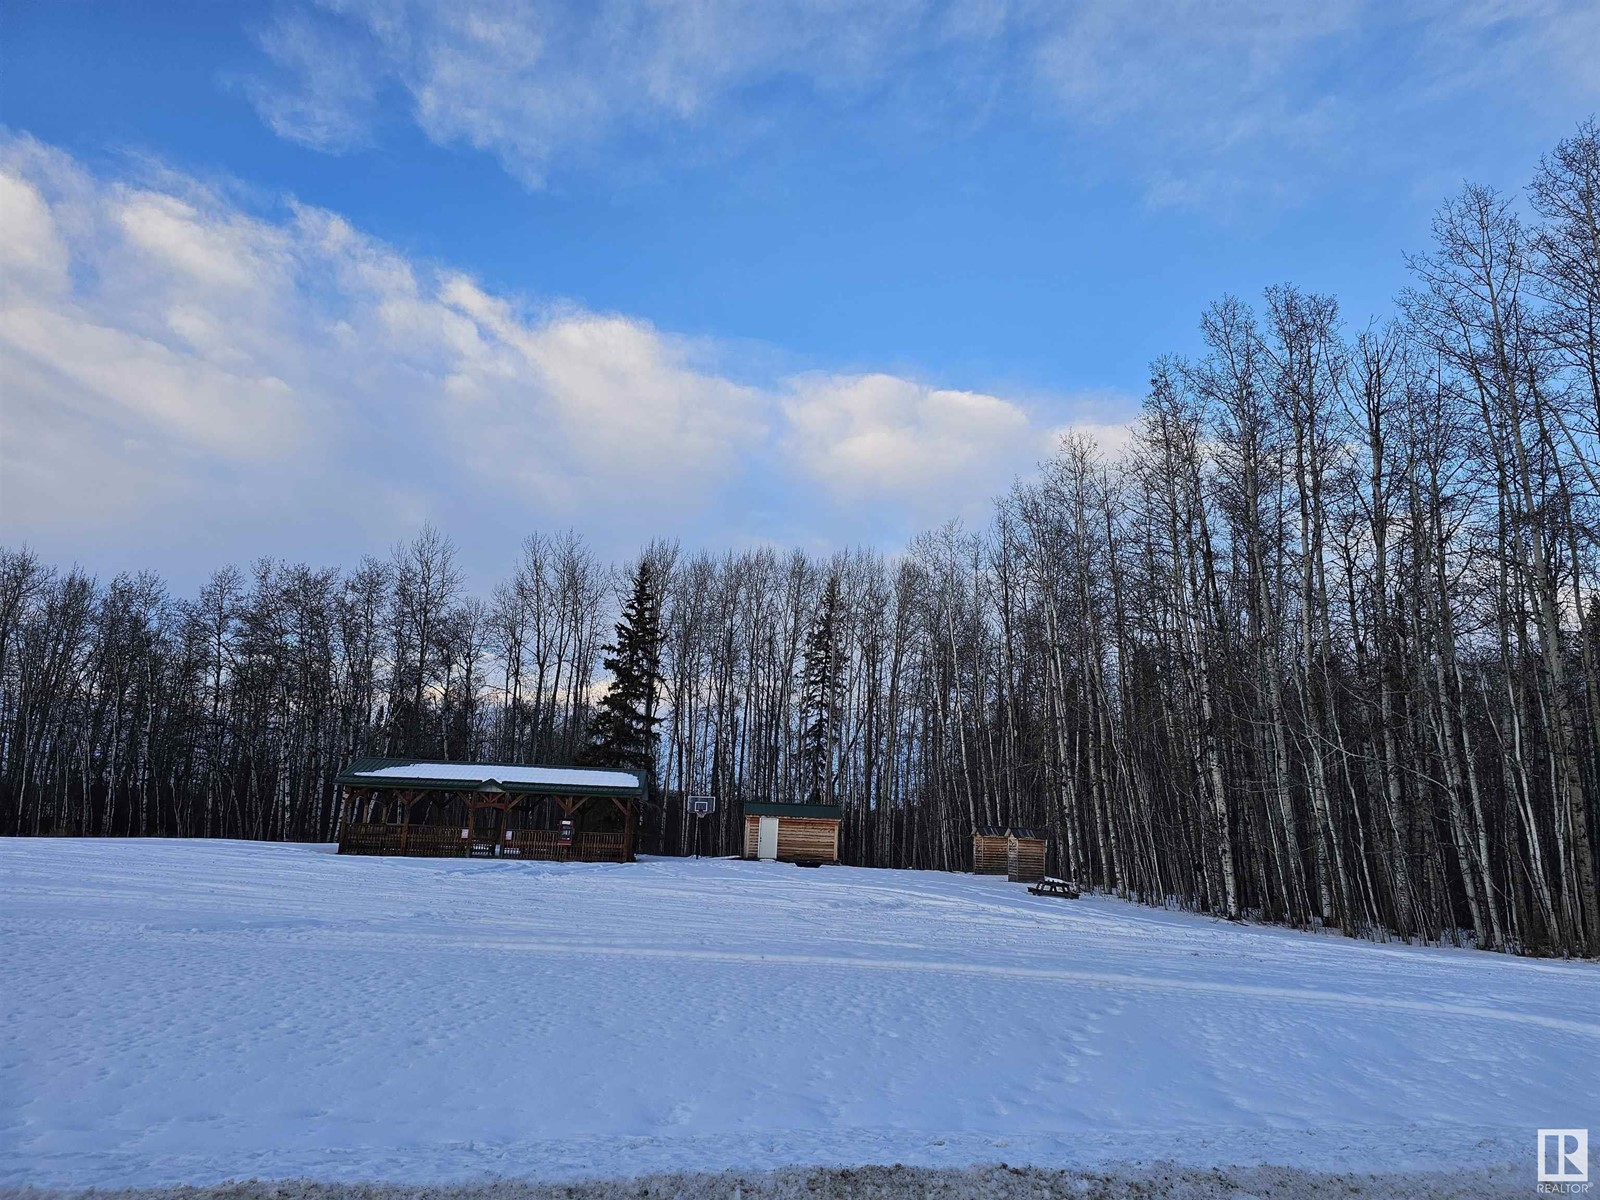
x,y
797,833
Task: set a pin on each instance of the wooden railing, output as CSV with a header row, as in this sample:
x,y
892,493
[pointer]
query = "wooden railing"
x,y
427,841
600,847
532,843
431,841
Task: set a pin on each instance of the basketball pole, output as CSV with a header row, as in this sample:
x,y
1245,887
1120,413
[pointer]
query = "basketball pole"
x,y
699,806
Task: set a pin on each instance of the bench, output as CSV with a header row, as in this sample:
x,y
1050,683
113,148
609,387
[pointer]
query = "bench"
x,y
1051,886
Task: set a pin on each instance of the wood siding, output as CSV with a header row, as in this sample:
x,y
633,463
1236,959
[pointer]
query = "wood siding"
x,y
1025,860
1020,860
989,855
810,839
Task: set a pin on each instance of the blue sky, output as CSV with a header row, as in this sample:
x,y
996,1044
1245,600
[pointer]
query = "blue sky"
x,y
294,278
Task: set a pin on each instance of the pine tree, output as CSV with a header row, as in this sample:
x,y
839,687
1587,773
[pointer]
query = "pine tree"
x,y
820,696
623,732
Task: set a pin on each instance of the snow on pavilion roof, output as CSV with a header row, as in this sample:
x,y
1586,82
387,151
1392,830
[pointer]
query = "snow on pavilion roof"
x,y
510,777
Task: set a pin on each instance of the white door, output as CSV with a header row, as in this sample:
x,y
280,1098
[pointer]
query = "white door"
x,y
767,839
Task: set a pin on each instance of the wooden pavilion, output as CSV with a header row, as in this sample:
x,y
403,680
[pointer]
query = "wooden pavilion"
x,y
409,807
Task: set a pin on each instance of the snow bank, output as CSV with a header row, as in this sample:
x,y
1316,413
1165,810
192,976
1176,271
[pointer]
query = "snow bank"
x,y
1159,1182
192,1012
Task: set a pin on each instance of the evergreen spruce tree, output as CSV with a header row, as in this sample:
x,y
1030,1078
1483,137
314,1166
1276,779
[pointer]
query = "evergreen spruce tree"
x,y
623,731
820,695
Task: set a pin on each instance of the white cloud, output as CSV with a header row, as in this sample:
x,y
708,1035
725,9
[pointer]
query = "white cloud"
x,y
878,437
229,254
530,81
334,97
623,407
1202,102
139,383
32,254
1218,106
1122,58
174,367
91,329
1197,90
316,368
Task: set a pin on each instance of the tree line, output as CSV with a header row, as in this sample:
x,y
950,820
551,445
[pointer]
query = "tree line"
x,y
1318,646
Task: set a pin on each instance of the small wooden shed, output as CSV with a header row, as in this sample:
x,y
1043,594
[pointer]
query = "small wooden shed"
x,y
1010,850
798,833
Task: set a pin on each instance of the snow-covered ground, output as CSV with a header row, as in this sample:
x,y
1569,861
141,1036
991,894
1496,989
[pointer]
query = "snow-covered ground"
x,y
196,1011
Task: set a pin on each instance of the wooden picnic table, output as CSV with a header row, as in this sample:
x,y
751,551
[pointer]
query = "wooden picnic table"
x,y
1051,886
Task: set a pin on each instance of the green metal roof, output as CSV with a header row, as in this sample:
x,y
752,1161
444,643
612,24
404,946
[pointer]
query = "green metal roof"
x,y
822,812
517,778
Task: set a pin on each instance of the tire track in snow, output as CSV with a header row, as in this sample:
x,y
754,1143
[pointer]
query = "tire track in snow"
x,y
1102,979
1095,979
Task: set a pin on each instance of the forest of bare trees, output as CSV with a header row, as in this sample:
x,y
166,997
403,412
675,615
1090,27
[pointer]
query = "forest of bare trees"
x,y
1318,646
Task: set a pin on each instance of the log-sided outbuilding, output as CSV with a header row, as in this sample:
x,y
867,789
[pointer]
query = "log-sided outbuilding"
x,y
798,833
1012,851
488,810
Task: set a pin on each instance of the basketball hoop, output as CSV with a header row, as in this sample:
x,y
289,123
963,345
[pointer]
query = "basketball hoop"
x,y
701,806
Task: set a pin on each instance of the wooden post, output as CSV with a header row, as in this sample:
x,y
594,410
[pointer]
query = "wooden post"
x,y
564,853
515,804
625,807
408,800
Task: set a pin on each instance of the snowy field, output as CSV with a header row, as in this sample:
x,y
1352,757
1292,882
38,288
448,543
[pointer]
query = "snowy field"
x,y
198,1011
